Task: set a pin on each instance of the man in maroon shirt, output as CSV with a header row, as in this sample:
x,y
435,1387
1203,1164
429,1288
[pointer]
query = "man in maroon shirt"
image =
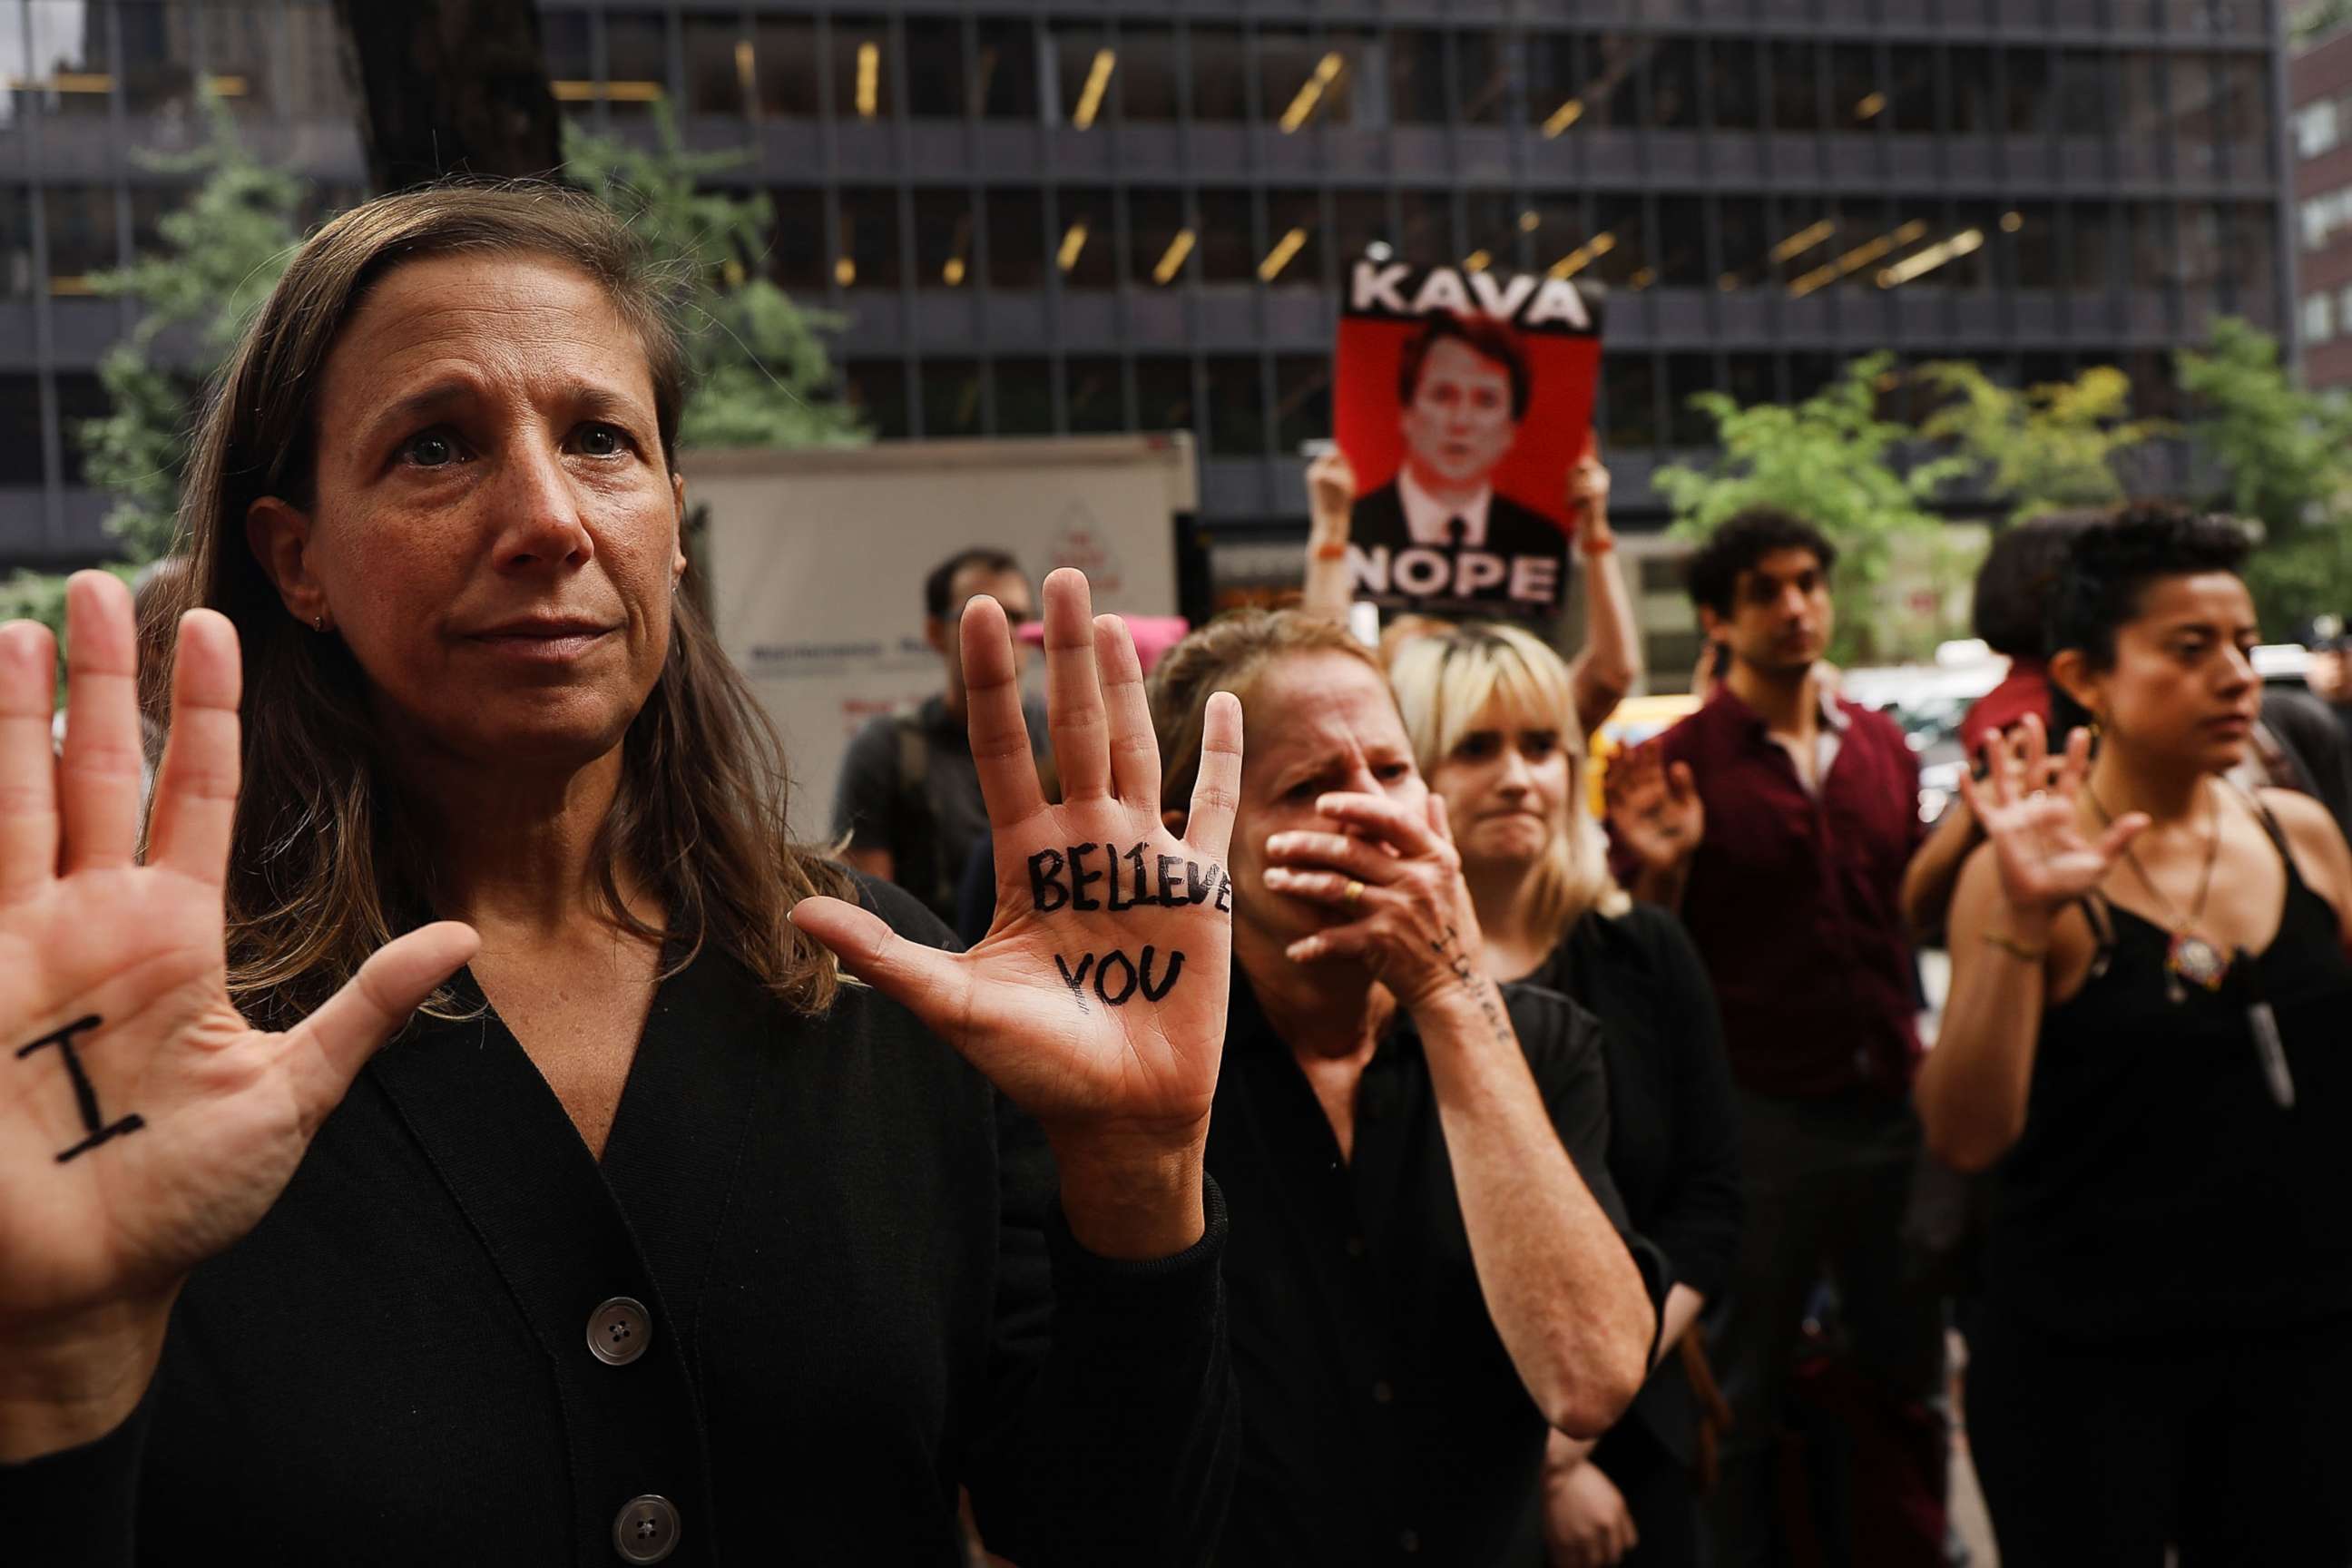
x,y
1810,811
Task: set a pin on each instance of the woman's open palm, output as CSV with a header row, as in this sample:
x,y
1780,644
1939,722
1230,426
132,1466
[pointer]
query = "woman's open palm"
x,y
2028,808
1097,998
143,1125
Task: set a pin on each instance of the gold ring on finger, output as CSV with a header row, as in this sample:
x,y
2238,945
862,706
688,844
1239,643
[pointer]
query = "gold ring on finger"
x,y
1355,894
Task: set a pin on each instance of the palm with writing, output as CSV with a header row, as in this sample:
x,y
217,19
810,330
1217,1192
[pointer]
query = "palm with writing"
x,y
144,1126
1654,806
1097,1000
2030,811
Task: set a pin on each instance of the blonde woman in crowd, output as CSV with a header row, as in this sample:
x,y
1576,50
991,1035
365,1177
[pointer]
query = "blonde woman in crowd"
x,y
1488,709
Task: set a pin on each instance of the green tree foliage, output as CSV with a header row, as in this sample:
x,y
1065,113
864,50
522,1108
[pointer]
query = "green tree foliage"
x,y
2047,447
2284,459
218,257
1832,461
762,376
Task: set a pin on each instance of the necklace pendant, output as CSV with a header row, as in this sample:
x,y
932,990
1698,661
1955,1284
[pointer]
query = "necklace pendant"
x,y
2196,961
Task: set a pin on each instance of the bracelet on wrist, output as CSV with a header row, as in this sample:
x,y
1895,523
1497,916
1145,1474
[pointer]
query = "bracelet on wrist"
x,y
1591,543
2015,948
1331,549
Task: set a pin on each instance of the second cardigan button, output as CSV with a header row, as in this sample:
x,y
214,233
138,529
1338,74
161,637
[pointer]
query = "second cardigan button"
x,y
619,1331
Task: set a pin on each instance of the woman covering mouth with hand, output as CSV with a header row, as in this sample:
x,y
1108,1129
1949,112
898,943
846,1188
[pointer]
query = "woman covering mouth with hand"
x,y
1491,713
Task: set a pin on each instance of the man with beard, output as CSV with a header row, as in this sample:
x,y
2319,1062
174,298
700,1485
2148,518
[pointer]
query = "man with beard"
x,y
1809,807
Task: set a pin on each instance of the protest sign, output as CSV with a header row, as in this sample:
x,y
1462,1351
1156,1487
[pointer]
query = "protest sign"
x,y
1463,400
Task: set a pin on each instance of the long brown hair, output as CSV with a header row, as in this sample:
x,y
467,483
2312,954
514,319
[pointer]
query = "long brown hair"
x,y
329,858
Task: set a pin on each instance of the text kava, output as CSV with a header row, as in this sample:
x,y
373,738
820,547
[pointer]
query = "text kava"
x,y
1443,289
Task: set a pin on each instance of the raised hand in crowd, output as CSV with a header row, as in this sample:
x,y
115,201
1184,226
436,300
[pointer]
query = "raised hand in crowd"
x,y
1610,660
1097,1000
1655,811
2027,808
1330,501
144,1125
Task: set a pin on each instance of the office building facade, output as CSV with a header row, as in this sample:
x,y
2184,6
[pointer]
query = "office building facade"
x,y
2319,81
1034,217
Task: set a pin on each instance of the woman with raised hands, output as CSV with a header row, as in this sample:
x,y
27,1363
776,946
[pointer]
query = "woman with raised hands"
x,y
1429,1269
2147,1041
656,1232
1487,709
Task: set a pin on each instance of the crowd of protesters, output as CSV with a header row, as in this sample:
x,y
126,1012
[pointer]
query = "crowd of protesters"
x,y
1333,1139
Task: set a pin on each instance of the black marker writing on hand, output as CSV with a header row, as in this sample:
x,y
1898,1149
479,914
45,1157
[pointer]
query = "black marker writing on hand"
x,y
1134,975
1061,879
85,1093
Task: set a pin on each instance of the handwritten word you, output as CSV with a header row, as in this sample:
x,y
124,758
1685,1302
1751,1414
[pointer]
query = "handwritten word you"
x,y
1134,975
1058,878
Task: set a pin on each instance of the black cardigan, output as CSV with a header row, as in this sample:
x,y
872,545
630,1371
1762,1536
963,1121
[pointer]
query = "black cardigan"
x,y
1673,1150
861,1295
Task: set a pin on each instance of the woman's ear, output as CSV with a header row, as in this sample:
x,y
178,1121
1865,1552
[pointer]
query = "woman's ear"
x,y
2071,673
278,534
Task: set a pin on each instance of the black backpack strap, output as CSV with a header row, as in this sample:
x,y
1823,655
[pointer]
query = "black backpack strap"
x,y
914,840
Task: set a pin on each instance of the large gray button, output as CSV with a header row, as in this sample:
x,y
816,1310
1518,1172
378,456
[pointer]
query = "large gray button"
x,y
646,1531
618,1332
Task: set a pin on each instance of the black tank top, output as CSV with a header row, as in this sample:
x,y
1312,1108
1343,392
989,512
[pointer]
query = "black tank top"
x,y
2159,1189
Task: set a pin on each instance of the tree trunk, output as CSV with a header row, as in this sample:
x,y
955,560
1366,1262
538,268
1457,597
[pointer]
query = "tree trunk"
x,y
448,87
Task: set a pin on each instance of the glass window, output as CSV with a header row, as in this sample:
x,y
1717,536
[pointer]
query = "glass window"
x,y
1163,392
2244,99
1736,100
1491,229
1857,97
1359,221
1482,77
1427,238
1236,407
2090,246
943,240
936,86
1227,247
2081,93
2154,260
72,72
2315,128
1973,93
2030,234
1302,81
1796,101
1747,263
1682,243
1294,224
785,73
861,75
1004,71
2140,89
1804,240
636,62
1145,81
869,255
1674,85
1612,90
80,220
1687,376
2344,304
952,397
1629,401
1809,376
1560,237
797,252
159,64
877,390
241,59
20,412
1911,88
1086,71
1417,77
1016,239
1555,80
1220,78
1302,401
1025,397
2025,87
80,397
16,249
1091,388
718,59
1161,237
1750,380
1085,250
1620,246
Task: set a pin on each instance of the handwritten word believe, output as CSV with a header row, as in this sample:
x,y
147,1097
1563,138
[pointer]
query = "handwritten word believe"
x,y
1049,889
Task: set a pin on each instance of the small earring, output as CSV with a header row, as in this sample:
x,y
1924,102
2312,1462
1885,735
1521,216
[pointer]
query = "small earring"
x,y
318,623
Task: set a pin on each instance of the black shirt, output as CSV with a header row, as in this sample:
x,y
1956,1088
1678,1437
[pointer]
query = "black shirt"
x,y
859,1295
2160,1195
1383,1420
1673,1140
930,821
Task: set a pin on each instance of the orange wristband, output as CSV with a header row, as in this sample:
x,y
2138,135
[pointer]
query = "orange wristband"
x,y
1587,545
1330,550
